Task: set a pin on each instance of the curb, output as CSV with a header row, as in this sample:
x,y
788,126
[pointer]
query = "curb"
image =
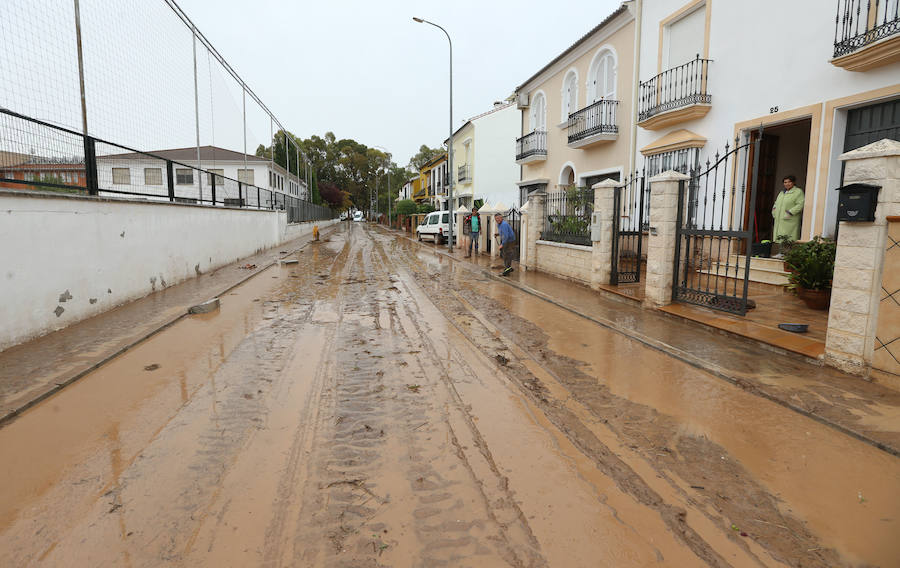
x,y
14,413
679,354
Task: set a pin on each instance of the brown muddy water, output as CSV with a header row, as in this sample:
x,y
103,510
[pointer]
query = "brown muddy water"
x,y
379,405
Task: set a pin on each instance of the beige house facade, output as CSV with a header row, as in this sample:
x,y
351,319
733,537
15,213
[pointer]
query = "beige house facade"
x,y
577,111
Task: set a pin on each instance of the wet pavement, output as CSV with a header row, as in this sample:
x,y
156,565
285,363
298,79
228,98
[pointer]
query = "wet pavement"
x,y
380,404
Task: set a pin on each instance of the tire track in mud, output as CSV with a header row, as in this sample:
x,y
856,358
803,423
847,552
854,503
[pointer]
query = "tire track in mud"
x,y
518,338
219,433
395,480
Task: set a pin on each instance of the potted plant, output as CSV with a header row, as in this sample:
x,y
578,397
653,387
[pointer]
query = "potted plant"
x,y
813,269
761,249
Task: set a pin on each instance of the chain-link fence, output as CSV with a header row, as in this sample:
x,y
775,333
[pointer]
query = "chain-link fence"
x,y
128,98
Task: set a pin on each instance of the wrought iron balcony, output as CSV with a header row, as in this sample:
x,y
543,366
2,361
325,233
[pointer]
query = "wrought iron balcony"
x,y
682,89
861,23
593,124
464,173
532,147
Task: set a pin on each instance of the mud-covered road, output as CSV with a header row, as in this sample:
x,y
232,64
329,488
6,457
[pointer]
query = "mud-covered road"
x,y
378,404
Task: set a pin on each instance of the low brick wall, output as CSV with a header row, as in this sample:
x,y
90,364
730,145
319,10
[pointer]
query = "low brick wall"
x,y
565,260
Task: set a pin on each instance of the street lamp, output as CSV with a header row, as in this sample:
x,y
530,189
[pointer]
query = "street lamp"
x,y
450,139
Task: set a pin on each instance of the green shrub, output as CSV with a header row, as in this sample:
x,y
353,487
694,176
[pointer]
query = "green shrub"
x,y
813,264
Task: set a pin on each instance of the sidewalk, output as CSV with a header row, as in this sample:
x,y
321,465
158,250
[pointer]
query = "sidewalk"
x,y
867,411
34,370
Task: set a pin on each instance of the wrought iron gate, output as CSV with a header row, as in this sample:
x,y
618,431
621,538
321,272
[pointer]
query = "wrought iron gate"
x,y
514,218
630,206
714,230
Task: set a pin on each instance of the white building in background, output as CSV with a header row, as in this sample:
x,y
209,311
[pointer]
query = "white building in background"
x,y
148,174
711,70
484,158
408,189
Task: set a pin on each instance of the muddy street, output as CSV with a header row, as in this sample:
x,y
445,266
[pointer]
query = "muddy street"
x,y
378,404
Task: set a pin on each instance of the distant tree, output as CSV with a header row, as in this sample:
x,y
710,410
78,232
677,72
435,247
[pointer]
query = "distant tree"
x,y
424,208
406,207
423,156
334,196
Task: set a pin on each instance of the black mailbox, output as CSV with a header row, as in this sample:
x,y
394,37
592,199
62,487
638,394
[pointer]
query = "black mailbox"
x,y
857,202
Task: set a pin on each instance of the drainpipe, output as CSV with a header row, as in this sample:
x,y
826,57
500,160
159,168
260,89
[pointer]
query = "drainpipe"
x,y
639,6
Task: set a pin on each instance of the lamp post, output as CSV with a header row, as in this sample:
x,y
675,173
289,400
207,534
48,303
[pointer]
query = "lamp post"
x,y
450,139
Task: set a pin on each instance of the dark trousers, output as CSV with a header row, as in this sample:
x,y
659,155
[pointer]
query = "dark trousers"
x,y
507,253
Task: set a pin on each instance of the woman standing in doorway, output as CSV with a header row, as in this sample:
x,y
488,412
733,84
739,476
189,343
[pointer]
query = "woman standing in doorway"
x,y
787,210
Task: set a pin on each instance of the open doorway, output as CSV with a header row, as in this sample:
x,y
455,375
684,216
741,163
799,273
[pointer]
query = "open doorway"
x,y
783,151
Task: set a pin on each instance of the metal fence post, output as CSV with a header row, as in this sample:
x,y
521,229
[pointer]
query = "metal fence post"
x,y
212,185
90,166
170,179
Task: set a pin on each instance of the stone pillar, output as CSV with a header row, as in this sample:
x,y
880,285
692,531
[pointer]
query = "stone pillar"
x,y
537,204
661,247
523,236
492,229
458,232
856,290
601,250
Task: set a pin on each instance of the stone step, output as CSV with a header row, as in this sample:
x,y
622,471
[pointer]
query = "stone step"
x,y
760,275
772,264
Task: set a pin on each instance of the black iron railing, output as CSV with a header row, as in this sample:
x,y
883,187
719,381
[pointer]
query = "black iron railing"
x,y
46,157
677,87
861,22
464,173
598,118
532,144
568,218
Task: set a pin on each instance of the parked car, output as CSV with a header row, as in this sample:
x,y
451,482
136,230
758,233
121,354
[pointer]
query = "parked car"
x,y
436,226
358,216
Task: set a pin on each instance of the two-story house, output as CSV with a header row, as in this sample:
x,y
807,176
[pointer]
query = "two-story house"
x,y
820,78
576,111
486,171
147,174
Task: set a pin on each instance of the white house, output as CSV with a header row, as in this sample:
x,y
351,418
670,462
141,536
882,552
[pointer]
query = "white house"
x,y
821,78
234,176
484,158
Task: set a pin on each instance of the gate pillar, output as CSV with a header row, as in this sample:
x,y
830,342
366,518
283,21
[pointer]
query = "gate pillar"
x,y
661,250
537,205
601,250
863,329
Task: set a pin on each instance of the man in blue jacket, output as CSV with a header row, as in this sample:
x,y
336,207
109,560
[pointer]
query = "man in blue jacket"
x,y
507,243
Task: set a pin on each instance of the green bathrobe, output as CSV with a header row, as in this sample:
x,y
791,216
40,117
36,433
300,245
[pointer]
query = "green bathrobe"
x,y
787,213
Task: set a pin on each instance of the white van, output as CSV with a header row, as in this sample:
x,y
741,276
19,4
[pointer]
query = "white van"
x,y
358,216
436,226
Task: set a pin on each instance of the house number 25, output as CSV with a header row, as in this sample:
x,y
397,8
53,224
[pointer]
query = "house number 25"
x,y
773,110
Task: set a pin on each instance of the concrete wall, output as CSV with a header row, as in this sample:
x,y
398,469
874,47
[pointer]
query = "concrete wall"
x,y
67,258
562,259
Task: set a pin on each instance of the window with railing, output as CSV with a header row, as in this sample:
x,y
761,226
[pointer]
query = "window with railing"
x,y
598,118
464,173
532,144
674,88
859,23
568,218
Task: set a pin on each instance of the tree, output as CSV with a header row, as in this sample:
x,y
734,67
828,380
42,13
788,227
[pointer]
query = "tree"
x,y
423,156
406,207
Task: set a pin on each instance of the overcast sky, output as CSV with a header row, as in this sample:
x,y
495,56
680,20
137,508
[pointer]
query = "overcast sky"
x,y
365,70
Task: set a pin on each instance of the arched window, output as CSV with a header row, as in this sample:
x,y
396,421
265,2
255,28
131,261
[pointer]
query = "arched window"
x,y
538,112
567,176
569,94
601,82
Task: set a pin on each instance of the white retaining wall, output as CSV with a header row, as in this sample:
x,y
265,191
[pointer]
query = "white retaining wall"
x,y
67,258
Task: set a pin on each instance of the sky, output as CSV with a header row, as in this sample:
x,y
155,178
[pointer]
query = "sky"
x,y
365,70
